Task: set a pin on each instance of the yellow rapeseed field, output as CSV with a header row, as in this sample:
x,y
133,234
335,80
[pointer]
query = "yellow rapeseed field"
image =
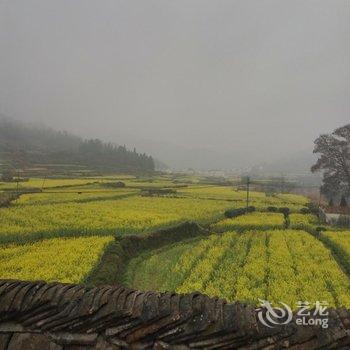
x,y
61,233
277,265
340,243
251,221
58,259
23,223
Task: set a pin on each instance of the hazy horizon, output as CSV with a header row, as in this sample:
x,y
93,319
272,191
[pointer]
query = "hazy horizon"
x,y
191,82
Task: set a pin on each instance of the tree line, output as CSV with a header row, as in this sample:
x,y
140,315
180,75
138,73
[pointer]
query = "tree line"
x,y
23,145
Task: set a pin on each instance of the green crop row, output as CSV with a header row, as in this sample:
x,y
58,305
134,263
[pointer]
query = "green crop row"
x,y
277,265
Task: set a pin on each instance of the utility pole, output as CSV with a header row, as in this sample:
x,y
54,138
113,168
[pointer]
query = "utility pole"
x,y
282,183
248,183
42,186
17,182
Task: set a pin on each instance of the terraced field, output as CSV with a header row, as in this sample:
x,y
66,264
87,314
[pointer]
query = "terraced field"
x,y
273,265
57,259
61,233
339,241
258,199
303,221
251,221
24,223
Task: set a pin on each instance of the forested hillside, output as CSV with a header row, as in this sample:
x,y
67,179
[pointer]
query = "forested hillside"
x,y
23,145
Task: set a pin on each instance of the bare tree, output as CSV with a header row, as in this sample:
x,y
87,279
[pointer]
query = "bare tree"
x,y
334,160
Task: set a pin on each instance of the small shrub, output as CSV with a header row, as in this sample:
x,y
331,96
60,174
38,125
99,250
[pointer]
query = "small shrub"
x,y
272,209
305,211
251,209
233,213
284,210
313,208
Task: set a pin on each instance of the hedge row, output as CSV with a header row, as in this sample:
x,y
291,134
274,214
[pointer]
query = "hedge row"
x,y
233,213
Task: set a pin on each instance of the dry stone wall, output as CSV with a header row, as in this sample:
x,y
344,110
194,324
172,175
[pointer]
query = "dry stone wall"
x,y
37,315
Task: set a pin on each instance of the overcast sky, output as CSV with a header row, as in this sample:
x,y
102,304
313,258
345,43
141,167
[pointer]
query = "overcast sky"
x,y
262,77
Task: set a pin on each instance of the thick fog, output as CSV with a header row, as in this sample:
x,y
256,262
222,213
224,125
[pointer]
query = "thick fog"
x,y
202,82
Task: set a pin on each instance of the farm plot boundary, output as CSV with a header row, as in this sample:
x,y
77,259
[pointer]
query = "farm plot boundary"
x,y
118,253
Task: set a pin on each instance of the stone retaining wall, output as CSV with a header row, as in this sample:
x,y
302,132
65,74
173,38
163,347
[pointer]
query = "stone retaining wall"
x,y
36,315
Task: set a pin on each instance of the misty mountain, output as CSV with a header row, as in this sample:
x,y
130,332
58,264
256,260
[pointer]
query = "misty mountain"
x,y
24,145
180,157
295,165
299,162
183,157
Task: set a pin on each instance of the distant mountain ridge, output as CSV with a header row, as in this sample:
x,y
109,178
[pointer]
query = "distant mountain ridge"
x,y
299,162
23,144
182,157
